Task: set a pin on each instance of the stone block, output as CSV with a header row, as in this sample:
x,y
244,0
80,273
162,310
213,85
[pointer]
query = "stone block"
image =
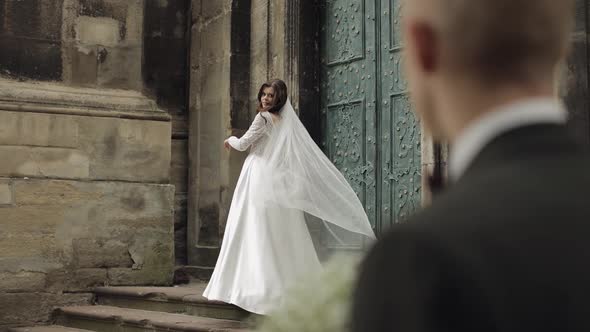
x,y
79,280
120,67
6,193
125,277
74,147
104,31
84,65
153,257
17,161
118,146
22,281
44,162
90,225
86,280
25,245
39,306
62,163
34,129
101,252
27,264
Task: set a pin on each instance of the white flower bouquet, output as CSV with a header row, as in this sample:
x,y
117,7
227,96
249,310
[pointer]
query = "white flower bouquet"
x,y
322,303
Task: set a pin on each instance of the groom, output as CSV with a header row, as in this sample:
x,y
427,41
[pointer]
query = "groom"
x,y
507,246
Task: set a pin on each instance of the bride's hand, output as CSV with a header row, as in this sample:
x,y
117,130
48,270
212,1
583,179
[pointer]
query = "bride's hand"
x,y
226,145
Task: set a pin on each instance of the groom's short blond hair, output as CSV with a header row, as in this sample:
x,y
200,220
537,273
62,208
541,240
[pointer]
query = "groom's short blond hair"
x,y
504,38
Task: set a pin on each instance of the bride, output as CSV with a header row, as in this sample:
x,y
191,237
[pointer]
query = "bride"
x,y
267,246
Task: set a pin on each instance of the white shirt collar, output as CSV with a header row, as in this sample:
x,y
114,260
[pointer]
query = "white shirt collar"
x,y
491,125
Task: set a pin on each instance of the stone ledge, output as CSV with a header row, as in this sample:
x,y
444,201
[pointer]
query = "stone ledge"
x,y
84,147
52,98
52,328
191,293
122,317
187,300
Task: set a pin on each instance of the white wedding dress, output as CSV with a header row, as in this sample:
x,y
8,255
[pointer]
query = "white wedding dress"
x,y
267,247
264,249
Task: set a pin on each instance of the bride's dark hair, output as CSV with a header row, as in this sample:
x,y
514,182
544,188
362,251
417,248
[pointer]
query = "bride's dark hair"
x,y
280,97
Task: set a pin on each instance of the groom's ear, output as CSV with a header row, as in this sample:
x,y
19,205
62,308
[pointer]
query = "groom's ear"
x,y
423,45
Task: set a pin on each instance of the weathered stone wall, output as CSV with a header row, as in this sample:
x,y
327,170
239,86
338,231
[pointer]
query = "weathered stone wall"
x,y
165,74
61,238
85,193
100,146
73,214
139,45
209,124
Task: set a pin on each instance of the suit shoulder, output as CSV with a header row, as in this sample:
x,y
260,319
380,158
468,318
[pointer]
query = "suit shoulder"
x,y
450,213
411,233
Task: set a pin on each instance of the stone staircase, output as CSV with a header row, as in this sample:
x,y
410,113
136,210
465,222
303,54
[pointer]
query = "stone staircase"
x,y
138,309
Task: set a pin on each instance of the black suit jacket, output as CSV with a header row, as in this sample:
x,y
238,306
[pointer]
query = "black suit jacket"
x,y
506,248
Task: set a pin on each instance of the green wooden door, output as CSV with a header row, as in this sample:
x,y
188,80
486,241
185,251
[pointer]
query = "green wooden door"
x,y
399,131
369,131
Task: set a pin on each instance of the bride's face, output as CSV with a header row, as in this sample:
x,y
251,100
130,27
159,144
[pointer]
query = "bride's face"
x,y
267,98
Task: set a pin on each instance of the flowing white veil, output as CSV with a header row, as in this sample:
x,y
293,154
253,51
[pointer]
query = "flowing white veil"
x,y
298,175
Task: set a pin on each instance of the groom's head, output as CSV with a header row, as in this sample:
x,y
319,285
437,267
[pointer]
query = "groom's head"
x,y
494,44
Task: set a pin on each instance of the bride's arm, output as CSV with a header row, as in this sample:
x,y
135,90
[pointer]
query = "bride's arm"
x,y
256,130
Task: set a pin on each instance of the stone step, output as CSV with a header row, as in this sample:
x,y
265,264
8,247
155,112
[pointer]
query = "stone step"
x,y
51,328
186,299
108,319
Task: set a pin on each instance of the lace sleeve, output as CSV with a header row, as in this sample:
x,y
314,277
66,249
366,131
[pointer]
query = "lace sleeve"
x,y
256,130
